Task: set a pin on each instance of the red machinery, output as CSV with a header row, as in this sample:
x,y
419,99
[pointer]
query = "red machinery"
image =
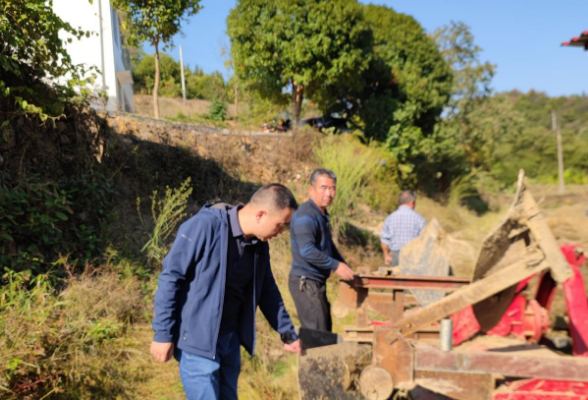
x,y
529,319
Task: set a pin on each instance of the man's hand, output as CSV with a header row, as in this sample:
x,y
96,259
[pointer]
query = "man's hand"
x,y
388,259
345,272
294,347
162,352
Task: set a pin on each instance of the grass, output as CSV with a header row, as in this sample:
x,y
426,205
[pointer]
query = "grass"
x,y
355,164
68,344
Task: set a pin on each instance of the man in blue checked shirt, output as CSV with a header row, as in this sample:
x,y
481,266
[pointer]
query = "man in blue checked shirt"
x,y
402,226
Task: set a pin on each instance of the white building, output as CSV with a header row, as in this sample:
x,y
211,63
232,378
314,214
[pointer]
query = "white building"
x,y
103,49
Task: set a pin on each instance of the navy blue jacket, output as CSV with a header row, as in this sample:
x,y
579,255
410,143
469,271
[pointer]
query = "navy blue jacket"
x,y
191,290
314,255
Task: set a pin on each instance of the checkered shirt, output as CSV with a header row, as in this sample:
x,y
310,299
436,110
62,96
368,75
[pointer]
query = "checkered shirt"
x,y
401,227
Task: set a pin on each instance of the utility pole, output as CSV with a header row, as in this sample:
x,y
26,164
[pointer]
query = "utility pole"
x,y
560,164
182,72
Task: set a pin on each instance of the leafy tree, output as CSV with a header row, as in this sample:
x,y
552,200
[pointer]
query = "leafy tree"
x,y
144,75
206,86
33,56
468,109
198,84
155,21
306,46
408,82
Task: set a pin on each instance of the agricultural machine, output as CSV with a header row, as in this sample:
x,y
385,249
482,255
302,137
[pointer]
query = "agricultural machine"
x,y
448,337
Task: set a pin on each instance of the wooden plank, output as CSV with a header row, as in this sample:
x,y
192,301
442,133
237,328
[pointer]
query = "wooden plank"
x,y
457,385
514,364
560,269
474,293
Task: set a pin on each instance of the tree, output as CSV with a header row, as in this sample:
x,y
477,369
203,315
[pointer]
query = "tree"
x,y
471,89
407,84
306,46
34,61
144,73
155,21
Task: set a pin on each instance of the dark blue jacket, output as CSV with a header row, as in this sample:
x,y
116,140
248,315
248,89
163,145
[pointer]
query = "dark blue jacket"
x,y
191,291
314,254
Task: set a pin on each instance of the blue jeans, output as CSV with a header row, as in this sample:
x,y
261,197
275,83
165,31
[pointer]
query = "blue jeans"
x,y
206,379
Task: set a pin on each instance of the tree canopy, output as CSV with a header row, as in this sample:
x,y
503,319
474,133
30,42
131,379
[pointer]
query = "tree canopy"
x,y
305,46
33,56
408,82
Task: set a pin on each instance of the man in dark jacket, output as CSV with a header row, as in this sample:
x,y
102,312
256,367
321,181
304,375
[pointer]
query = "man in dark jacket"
x,y
214,277
314,255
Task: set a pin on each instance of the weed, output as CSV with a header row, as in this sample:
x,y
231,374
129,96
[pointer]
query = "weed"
x,y
166,214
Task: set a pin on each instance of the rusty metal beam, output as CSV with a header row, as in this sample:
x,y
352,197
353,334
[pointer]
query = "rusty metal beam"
x,y
446,283
509,364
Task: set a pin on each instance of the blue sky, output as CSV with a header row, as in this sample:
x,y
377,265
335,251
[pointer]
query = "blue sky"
x,y
522,37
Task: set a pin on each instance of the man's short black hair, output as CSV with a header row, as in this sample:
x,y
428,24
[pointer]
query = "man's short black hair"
x,y
406,197
275,195
319,172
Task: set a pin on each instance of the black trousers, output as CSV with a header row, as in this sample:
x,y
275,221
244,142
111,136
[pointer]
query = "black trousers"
x,y
312,306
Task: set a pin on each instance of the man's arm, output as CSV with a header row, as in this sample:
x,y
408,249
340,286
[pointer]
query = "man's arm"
x,y
304,232
184,254
273,308
387,254
385,240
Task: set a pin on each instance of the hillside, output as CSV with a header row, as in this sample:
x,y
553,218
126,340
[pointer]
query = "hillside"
x,y
137,157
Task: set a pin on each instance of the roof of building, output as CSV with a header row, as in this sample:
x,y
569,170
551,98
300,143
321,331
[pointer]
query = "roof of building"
x,y
578,41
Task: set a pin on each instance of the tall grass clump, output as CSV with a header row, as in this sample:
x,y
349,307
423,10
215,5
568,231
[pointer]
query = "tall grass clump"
x,y
70,344
356,165
166,212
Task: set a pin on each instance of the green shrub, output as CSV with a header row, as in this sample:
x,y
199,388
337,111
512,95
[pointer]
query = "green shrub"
x,y
42,221
217,111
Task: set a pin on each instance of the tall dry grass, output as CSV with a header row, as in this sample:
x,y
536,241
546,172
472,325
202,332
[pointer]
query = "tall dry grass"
x,y
358,167
69,344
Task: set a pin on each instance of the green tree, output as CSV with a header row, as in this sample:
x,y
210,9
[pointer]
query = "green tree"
x,y
408,82
144,75
306,46
206,86
155,21
33,58
469,110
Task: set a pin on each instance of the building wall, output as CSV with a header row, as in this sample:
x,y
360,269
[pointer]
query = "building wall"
x,y
102,50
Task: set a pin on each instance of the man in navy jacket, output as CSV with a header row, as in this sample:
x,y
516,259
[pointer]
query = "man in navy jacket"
x,y
214,277
314,255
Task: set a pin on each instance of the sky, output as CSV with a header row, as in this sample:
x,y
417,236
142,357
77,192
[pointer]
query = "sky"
x,y
522,37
